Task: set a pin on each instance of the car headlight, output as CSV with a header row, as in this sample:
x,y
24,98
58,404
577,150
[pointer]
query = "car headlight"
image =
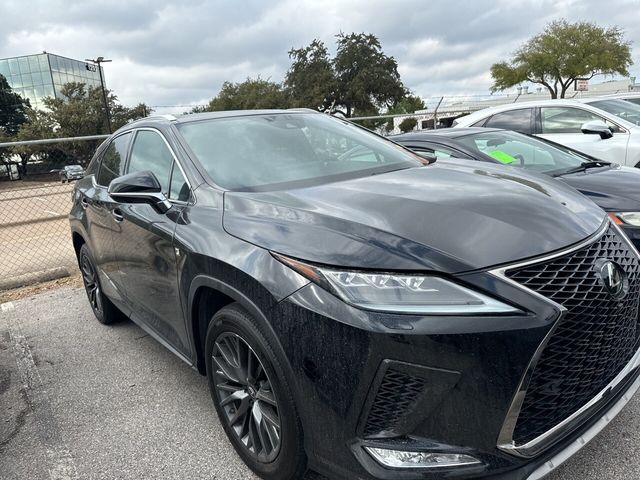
x,y
626,218
399,293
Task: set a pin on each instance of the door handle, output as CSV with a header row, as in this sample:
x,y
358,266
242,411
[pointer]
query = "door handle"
x,y
117,214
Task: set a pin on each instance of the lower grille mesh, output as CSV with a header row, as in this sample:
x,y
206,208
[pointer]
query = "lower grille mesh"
x,y
594,341
396,394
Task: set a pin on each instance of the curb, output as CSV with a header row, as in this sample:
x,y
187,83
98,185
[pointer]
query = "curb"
x,y
35,277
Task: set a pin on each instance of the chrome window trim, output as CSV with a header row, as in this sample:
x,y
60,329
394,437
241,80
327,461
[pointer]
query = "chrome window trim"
x,y
537,445
175,159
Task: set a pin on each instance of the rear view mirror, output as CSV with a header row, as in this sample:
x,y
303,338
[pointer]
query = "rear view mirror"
x,y
597,127
139,187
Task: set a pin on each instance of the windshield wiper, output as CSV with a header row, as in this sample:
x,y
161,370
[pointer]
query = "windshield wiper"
x,y
583,167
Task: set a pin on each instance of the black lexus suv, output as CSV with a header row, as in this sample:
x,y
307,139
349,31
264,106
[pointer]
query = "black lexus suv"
x,y
358,310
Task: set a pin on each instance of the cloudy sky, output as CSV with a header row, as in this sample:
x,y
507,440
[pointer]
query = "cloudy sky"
x,y
180,52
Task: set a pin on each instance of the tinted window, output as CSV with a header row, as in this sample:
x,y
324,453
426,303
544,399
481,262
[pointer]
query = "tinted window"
x,y
112,164
150,152
266,151
517,120
568,119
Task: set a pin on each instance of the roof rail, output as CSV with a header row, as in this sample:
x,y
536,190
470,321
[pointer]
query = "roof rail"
x,y
166,116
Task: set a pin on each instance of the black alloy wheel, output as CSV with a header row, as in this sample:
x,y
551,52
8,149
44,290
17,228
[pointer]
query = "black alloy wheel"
x,y
246,396
105,311
253,396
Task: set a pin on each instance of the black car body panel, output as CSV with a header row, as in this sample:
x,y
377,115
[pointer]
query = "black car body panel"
x,y
170,272
387,221
613,188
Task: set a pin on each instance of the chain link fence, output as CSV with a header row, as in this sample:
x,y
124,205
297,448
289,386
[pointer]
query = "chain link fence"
x,y
35,200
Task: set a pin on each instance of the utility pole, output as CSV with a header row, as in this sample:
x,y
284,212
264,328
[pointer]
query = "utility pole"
x,y
97,62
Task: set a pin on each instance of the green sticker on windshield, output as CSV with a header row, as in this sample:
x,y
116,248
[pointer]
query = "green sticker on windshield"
x,y
502,157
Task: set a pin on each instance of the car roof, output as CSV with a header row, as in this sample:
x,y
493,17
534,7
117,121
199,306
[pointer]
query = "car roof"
x,y
452,133
192,117
485,112
584,103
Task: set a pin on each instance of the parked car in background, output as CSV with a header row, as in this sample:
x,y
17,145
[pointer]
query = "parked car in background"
x,y
71,172
356,309
576,124
621,108
633,97
616,189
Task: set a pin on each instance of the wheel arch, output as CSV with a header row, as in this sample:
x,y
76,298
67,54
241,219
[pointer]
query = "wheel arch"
x,y
207,295
78,240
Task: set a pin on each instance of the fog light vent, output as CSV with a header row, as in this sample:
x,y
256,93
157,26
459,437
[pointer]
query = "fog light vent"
x,y
405,459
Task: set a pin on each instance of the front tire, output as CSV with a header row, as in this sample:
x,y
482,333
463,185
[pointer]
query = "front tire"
x,y
105,311
252,397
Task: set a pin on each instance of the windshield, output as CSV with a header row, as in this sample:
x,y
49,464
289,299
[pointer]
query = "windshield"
x,y
620,108
515,149
73,168
271,151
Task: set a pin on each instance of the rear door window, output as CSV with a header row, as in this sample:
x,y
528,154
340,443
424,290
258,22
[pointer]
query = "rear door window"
x,y
569,120
516,120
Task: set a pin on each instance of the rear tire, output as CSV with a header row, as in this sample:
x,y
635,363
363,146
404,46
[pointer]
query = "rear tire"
x,y
105,311
252,397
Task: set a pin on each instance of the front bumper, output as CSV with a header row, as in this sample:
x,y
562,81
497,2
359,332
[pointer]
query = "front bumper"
x,y
456,379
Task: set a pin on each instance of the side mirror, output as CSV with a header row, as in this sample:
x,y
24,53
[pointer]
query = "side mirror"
x,y
428,156
139,187
597,127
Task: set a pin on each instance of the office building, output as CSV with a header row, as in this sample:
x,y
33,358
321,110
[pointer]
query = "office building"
x,y
36,77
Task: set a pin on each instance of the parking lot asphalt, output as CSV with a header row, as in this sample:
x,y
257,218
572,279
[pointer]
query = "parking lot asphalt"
x,y
82,400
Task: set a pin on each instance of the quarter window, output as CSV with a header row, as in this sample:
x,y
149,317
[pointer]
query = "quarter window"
x,y
517,120
569,120
112,164
179,186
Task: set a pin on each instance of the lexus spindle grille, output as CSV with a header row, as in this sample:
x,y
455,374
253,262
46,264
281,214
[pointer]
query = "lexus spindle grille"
x,y
596,338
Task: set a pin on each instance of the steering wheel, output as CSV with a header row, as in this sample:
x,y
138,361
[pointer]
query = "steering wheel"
x,y
519,157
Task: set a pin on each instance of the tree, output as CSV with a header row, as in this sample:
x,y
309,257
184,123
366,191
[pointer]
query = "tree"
x,y
311,80
408,124
248,95
367,79
121,115
12,109
563,53
408,104
80,112
39,125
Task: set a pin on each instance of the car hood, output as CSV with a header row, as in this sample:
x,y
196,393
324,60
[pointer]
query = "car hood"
x,y
616,188
449,217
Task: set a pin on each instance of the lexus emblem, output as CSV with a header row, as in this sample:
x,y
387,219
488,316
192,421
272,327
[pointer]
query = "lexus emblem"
x,y
613,278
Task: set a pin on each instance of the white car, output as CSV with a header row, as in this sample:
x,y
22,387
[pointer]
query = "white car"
x,y
578,124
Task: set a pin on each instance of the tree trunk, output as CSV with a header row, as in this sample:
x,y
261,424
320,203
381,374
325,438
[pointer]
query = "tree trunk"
x,y
24,164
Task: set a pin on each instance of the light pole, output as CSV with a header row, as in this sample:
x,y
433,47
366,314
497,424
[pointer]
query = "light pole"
x,y
98,61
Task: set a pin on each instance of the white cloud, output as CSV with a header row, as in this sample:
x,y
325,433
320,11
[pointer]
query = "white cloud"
x,y
179,53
